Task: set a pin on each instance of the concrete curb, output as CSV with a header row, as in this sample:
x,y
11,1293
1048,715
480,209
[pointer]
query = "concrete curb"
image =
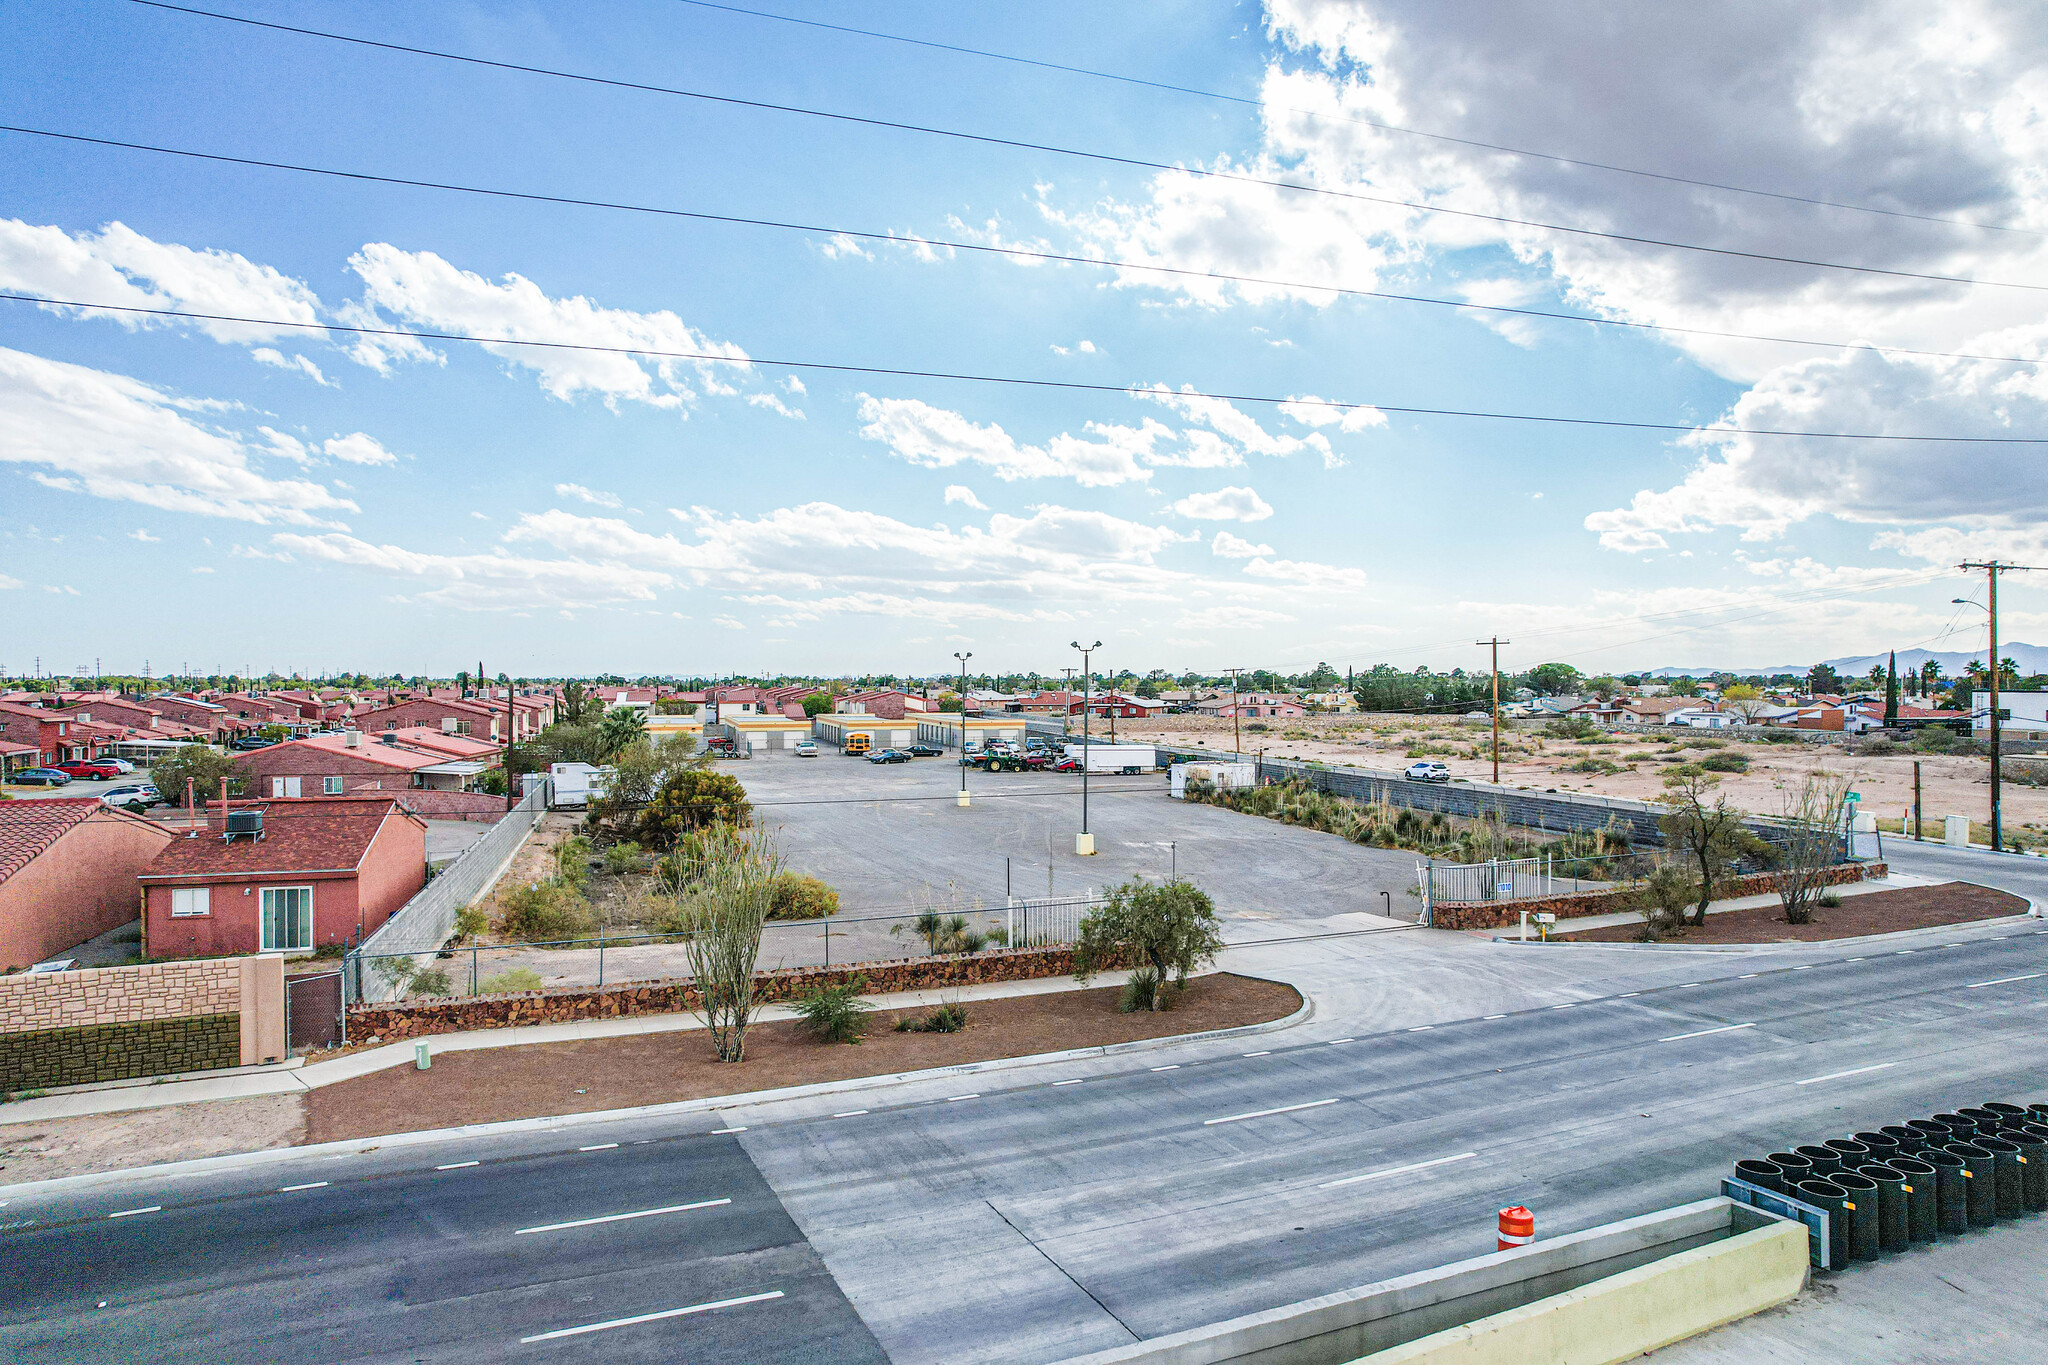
x,y
709,1104
2033,912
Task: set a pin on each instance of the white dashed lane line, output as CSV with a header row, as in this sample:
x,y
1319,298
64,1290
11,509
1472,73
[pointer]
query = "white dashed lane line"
x,y
1396,1170
1725,1028
309,1185
1264,1113
622,1217
2003,981
850,1114
1838,1075
598,1147
561,1332
130,1213
1078,1079
457,1165
955,1099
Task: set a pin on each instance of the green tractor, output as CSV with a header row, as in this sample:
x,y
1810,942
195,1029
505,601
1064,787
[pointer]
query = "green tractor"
x,y
1002,763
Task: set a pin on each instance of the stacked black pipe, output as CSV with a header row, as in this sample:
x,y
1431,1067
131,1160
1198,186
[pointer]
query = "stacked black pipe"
x,y
1885,1188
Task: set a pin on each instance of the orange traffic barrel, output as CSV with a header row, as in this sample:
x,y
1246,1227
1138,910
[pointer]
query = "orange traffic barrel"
x,y
1517,1228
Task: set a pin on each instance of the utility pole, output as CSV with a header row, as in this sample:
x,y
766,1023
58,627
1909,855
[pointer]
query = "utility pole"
x,y
963,658
1992,568
1496,642
1085,842
1236,739
1066,706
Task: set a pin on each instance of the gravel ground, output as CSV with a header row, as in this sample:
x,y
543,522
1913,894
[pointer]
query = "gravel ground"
x,y
111,1142
1880,912
612,1073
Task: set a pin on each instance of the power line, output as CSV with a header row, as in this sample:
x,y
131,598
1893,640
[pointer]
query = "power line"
x,y
987,249
1105,158
961,376
1323,116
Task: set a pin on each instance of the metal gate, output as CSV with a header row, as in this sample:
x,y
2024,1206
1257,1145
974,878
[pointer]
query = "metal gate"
x,y
312,1010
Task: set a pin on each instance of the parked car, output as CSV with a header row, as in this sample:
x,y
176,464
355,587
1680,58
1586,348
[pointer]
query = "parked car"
x,y
121,763
248,742
89,768
925,751
806,748
888,756
40,777
1428,771
132,796
1066,763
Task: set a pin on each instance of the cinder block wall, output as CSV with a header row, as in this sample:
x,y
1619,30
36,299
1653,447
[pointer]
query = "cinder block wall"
x,y
113,1023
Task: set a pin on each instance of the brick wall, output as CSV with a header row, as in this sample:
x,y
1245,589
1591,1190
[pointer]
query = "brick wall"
x,y
420,1018
1500,914
113,1052
119,995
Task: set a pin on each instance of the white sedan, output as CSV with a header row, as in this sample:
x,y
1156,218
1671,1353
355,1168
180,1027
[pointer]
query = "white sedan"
x,y
1428,771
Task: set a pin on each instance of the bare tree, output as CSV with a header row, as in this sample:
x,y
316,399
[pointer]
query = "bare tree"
x,y
722,913
1814,817
1709,837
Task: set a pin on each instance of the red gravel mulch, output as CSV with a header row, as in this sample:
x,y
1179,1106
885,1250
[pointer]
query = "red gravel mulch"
x,y
653,1068
1879,912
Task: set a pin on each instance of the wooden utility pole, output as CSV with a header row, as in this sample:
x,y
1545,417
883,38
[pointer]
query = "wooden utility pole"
x,y
1916,800
1992,568
1236,694
1496,642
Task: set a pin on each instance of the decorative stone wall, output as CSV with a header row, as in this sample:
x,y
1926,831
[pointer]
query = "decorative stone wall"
x,y
1500,914
112,1052
419,1018
33,1002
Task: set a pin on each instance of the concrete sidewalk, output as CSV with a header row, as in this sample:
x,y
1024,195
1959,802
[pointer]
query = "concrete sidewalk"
x,y
297,1078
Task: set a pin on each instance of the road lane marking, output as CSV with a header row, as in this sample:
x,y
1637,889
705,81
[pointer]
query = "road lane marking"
x,y
955,1099
561,1332
1837,1075
457,1165
623,1217
1628,995
1259,1054
1748,976
1078,1079
2003,980
850,1114
1807,968
1855,959
1175,1066
598,1147
130,1213
1565,1006
1903,952
309,1185
716,1131
1422,1028
1262,1113
1494,1016
1688,985
1334,1041
1396,1170
1725,1028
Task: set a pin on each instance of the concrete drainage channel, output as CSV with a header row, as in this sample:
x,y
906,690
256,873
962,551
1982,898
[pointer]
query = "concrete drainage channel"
x,y
1883,1189
1611,1293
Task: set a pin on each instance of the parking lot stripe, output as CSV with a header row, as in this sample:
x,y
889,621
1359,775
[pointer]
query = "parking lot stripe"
x,y
1396,1170
1496,1016
1262,1113
561,1332
1334,1041
622,1217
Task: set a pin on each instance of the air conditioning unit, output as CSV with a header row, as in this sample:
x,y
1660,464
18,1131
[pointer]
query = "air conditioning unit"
x,y
249,822
351,739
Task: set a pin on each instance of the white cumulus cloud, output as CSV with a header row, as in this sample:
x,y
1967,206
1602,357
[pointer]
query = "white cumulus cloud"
x,y
1225,504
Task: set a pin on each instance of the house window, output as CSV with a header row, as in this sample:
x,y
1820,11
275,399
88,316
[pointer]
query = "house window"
x,y
284,786
330,786
191,902
287,919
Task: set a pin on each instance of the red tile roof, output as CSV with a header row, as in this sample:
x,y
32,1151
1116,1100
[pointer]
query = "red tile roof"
x,y
301,836
28,827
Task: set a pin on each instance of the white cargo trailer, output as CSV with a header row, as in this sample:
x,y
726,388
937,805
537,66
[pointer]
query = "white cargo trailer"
x,y
1115,758
576,783
1221,776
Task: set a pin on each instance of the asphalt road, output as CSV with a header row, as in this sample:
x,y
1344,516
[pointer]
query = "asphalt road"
x,y
879,833
1031,1215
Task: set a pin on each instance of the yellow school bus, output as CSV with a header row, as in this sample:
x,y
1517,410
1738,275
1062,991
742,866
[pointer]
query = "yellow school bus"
x,y
856,743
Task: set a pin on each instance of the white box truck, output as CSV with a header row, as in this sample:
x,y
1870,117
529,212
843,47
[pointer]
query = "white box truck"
x,y
1221,776
576,783
1115,758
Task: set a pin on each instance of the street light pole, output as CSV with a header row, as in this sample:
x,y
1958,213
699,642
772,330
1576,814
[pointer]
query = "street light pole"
x,y
1496,642
1084,843
963,658
1236,694
1992,569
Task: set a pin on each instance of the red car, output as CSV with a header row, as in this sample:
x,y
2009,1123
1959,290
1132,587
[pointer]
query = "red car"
x,y
87,767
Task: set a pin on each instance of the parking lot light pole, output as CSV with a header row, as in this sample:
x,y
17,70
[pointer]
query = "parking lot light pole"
x,y
963,658
1084,842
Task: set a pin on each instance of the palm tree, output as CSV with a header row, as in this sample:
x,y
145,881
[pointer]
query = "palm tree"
x,y
620,728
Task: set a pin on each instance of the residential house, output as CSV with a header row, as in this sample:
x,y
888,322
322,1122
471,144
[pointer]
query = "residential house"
x,y
447,714
1056,703
54,736
67,873
349,762
1119,704
1607,714
886,703
1339,701
1640,711
215,721
283,876
1269,704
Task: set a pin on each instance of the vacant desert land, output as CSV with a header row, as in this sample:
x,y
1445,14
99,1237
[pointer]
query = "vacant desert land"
x,y
1529,758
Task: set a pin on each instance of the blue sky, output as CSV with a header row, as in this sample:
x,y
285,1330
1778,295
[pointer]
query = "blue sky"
x,y
226,496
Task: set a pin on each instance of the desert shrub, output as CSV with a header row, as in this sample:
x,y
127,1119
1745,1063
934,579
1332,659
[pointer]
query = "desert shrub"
x,y
572,860
1685,770
1143,990
406,977
691,800
1665,897
795,896
1829,900
1572,727
622,858
835,1014
432,981
1877,747
1708,744
471,920
1724,763
1593,765
1780,737
509,980
545,911
1933,740
947,1018
1639,756
1257,727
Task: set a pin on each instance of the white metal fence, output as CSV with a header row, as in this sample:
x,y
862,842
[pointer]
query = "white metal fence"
x,y
427,921
1047,922
1502,879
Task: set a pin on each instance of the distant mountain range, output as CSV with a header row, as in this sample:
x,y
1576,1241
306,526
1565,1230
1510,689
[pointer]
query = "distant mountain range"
x,y
2030,658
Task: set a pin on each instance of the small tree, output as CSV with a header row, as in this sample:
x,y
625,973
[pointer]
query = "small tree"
x,y
721,916
204,767
1709,837
1665,896
817,703
1172,929
1745,700
693,799
1814,817
621,727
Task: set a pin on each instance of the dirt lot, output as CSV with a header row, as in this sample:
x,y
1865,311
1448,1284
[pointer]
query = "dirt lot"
x,y
613,1073
105,1142
1880,912
1949,786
